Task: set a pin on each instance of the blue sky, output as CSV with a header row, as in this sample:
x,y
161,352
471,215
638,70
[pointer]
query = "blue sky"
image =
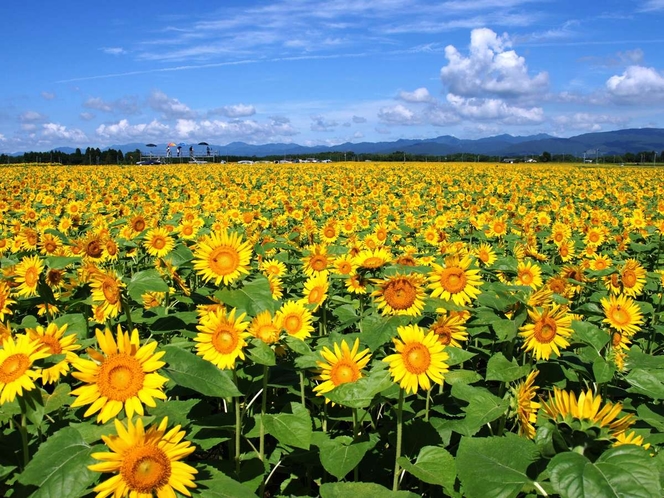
x,y
81,73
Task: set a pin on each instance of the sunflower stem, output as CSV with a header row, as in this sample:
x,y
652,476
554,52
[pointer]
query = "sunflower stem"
x,y
23,429
397,468
238,427
127,311
261,440
356,434
427,404
302,398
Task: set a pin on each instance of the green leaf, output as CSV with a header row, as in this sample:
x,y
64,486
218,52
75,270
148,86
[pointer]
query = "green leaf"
x,y
252,298
180,255
378,330
59,398
222,486
495,466
359,394
603,370
291,429
59,468
434,465
189,370
499,368
627,471
76,324
261,353
360,490
341,455
60,262
175,410
650,417
457,355
590,334
505,329
483,407
145,281
461,377
649,382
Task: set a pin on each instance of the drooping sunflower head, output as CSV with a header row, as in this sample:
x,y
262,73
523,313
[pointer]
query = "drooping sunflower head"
x,y
419,359
400,294
123,375
5,300
222,257
523,408
450,328
145,462
222,338
547,332
341,366
622,314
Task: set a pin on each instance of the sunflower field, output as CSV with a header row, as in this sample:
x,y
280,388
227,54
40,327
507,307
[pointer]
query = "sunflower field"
x,y
366,330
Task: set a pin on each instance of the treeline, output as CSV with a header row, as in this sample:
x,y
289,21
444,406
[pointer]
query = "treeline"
x,y
96,156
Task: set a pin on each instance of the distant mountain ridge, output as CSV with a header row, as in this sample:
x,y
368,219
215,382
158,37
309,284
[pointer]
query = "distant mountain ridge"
x,y
600,143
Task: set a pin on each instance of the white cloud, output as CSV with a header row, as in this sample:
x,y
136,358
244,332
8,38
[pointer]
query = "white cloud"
x,y
419,95
98,104
124,105
246,130
398,115
87,116
652,5
322,124
637,84
31,117
169,107
234,111
48,95
122,130
587,122
56,131
114,50
494,109
359,120
490,69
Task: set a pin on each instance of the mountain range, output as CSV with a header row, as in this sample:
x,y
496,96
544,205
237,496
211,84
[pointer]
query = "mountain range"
x,y
601,143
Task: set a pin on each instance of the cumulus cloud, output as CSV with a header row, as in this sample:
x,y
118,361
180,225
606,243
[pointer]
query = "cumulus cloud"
x,y
87,116
122,130
124,105
587,122
359,120
98,104
31,117
56,131
652,6
637,84
398,115
490,69
48,95
170,108
233,130
234,111
322,124
419,95
494,109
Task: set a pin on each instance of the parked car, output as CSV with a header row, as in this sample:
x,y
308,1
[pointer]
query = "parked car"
x,y
146,162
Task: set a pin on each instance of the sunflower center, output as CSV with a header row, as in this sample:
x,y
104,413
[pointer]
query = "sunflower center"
x,y
453,280
110,290
292,323
344,371
31,277
120,377
225,340
224,260
616,338
372,262
138,224
93,249
316,295
620,315
416,358
329,232
187,230
593,236
545,330
483,255
558,237
54,277
268,333
526,277
50,246
628,278
159,242
52,343
146,469
13,367
600,264
444,334
318,262
400,294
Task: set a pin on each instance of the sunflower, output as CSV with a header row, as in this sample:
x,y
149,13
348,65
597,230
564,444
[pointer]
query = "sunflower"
x,y
50,244
497,228
145,462
341,366
622,313
632,278
222,257
265,327
455,281
631,438
329,233
528,274
371,259
600,262
356,284
16,359
124,375
523,406
564,407
27,275
221,338
138,224
106,293
295,319
318,260
485,254
449,328
5,300
315,289
418,359
158,242
548,331
594,236
343,265
400,294
54,341
273,268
